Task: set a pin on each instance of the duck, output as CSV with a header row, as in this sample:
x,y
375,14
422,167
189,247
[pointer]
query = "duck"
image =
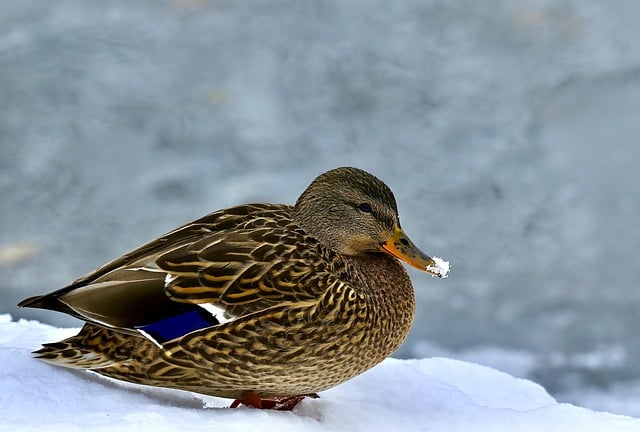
x,y
266,304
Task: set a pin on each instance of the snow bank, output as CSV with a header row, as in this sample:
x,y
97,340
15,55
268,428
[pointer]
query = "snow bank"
x,y
409,395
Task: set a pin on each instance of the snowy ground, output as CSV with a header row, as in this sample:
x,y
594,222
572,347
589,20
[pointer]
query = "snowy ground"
x,y
508,131
435,394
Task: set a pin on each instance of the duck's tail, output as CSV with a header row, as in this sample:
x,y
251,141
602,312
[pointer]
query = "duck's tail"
x,y
93,348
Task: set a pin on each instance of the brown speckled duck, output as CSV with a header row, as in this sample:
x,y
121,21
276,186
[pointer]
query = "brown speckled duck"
x,y
263,303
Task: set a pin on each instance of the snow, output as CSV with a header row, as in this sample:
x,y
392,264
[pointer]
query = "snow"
x,y
433,394
440,269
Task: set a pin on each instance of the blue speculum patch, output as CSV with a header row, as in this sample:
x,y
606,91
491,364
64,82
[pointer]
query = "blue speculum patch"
x,y
177,326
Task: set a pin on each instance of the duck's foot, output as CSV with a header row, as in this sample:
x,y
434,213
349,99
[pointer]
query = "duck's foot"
x,y
281,403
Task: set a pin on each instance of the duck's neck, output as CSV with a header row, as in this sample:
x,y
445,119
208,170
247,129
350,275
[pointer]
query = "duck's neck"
x,y
391,295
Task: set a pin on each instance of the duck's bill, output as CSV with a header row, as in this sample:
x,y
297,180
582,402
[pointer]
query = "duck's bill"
x,y
402,248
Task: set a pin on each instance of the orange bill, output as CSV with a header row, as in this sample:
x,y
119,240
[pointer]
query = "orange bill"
x,y
402,248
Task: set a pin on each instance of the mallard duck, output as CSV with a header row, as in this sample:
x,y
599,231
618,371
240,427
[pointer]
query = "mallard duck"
x,y
262,303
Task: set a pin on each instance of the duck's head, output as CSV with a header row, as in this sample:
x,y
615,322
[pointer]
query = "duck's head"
x,y
354,213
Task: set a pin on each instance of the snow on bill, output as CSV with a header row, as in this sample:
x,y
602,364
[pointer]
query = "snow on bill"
x,y
440,268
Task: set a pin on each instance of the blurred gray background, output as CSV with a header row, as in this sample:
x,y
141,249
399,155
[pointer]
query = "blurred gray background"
x,y
508,131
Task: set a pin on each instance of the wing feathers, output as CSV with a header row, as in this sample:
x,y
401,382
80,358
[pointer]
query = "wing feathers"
x,y
228,265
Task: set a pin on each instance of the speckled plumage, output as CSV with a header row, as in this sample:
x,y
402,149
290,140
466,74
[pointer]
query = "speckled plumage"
x,y
296,307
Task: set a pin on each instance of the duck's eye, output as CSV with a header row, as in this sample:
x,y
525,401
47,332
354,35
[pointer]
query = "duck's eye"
x,y
365,208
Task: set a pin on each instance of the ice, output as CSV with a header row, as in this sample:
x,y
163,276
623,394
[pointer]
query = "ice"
x,y
410,395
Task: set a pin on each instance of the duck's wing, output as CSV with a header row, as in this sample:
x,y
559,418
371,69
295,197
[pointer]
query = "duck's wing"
x,y
219,268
